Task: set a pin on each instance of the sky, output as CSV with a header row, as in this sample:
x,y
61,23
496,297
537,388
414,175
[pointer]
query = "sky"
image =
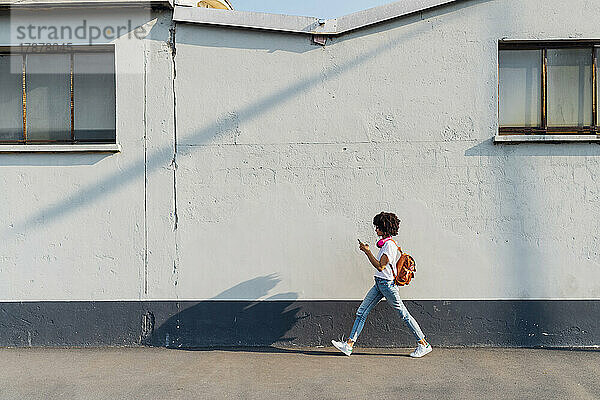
x,y
311,8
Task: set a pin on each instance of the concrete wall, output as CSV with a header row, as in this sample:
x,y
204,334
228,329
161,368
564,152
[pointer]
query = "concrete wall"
x,y
251,163
74,226
286,150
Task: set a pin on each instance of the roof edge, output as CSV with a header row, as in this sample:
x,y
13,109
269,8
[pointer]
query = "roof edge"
x,y
254,20
299,24
375,15
76,3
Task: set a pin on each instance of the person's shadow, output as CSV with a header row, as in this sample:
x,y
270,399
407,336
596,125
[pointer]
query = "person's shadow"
x,y
226,324
223,320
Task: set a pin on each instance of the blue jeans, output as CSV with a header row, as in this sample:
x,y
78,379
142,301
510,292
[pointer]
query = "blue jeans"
x,y
383,288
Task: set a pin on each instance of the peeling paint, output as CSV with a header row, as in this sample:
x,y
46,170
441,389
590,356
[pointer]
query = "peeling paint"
x,y
175,274
173,47
147,326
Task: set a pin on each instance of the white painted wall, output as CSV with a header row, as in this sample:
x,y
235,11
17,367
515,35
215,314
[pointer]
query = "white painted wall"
x,y
286,151
73,225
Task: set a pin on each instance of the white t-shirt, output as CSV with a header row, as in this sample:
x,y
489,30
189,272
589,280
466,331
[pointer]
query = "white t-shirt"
x,y
391,250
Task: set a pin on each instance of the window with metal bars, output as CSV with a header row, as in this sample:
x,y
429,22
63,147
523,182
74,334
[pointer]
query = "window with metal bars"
x,y
548,87
57,97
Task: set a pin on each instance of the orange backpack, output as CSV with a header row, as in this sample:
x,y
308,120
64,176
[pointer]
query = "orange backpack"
x,y
406,268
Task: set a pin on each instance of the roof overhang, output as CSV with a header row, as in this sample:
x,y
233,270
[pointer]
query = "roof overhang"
x,y
252,20
297,24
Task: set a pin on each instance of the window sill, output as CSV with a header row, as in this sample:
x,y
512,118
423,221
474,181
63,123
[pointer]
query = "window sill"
x,y
546,138
60,148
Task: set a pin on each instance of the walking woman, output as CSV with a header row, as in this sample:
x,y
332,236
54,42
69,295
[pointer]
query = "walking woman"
x,y
386,226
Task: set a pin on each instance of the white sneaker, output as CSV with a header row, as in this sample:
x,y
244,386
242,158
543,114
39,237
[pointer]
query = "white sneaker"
x,y
343,347
421,350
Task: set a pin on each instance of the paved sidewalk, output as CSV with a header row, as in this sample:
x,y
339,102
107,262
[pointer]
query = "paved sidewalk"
x,y
298,373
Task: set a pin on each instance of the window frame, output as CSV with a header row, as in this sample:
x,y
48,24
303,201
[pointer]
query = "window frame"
x,y
544,46
111,145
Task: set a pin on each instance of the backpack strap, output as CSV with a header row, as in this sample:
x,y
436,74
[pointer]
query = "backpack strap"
x,y
396,264
399,249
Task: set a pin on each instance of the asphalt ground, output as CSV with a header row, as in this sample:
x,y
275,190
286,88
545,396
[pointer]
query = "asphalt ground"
x,y
298,373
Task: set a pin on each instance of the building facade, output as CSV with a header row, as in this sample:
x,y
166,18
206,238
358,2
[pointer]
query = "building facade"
x,y
200,178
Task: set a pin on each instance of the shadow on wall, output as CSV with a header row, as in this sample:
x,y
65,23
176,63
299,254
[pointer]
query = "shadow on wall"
x,y
157,159
50,159
220,320
218,36
223,321
531,231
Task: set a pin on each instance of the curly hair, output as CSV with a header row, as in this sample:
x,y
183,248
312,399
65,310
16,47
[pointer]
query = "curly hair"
x,y
387,223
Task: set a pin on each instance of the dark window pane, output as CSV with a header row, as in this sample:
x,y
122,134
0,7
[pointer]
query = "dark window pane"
x,y
48,97
520,88
94,97
11,97
569,87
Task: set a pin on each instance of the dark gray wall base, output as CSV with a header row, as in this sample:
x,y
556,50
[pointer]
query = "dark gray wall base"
x,y
512,323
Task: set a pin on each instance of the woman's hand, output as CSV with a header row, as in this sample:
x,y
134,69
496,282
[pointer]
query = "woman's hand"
x,y
364,247
378,264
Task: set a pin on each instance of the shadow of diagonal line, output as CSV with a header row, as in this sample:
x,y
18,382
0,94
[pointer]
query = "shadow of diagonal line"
x,y
156,159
